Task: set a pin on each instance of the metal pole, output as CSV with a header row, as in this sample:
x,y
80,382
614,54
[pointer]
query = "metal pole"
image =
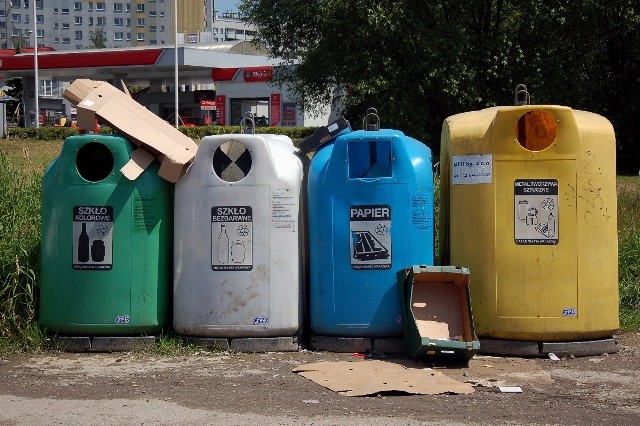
x,y
35,64
175,60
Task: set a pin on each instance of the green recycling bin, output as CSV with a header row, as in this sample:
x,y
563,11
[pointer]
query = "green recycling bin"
x,y
106,242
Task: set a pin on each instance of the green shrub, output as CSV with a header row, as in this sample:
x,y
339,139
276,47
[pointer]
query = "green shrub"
x,y
19,252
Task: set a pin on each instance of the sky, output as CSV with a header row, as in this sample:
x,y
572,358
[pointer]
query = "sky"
x,y
225,5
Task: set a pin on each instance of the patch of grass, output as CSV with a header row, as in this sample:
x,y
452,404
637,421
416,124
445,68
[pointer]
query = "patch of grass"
x,y
171,345
19,251
629,251
30,155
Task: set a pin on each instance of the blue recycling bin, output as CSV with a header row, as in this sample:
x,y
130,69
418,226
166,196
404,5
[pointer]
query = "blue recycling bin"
x,y
370,199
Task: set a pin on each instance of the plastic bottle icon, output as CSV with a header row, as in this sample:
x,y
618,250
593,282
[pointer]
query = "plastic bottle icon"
x,y
83,245
223,245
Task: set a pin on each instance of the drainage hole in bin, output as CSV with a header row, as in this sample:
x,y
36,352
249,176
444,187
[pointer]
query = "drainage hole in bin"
x,y
94,162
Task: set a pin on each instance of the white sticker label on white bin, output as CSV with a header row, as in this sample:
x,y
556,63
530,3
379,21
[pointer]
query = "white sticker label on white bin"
x,y
471,169
284,210
231,238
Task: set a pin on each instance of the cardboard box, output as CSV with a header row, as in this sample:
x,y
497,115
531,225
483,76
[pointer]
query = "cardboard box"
x,y
437,307
155,138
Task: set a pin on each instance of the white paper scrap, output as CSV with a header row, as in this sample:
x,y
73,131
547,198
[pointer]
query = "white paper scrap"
x,y
510,389
553,356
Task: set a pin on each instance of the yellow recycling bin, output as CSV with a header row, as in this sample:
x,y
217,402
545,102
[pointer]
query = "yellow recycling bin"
x,y
528,204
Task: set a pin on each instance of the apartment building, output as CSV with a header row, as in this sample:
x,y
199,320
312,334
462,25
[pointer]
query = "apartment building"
x,y
75,24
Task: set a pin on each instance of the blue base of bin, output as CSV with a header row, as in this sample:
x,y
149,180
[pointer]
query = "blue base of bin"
x,y
356,344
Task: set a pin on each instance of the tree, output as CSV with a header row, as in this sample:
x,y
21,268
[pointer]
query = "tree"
x,y
419,62
98,39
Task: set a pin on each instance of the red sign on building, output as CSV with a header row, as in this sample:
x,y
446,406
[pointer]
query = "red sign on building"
x,y
208,105
275,109
255,74
221,100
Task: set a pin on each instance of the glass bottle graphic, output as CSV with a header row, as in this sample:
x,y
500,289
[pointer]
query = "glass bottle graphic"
x,y
83,245
223,245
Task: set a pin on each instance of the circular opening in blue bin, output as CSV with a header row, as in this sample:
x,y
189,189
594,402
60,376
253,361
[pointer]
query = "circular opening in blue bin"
x,y
94,162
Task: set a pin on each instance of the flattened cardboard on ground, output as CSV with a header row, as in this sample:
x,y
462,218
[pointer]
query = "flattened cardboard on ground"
x,y
368,377
154,136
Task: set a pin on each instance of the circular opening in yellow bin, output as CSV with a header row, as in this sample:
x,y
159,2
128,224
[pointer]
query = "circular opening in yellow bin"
x,y
536,130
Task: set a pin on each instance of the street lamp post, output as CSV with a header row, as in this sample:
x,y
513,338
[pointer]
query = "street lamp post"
x,y
175,64
35,65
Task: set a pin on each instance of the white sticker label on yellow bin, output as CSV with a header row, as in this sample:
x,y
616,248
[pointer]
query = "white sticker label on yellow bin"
x,y
471,169
536,211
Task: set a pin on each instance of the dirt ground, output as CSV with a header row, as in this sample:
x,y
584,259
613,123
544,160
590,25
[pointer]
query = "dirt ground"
x,y
241,389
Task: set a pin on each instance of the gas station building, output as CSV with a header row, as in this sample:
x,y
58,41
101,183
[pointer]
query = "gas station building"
x,y
218,83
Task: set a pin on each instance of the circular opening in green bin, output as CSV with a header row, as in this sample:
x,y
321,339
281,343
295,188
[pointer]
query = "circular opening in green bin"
x,y
536,130
94,162
232,161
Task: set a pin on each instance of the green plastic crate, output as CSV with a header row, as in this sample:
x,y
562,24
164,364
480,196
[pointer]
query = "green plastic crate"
x,y
437,307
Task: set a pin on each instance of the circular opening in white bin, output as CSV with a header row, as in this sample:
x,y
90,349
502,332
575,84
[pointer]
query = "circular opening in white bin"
x,y
94,162
232,161
536,130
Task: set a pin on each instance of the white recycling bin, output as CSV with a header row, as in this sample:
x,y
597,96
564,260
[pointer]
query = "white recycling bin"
x,y
238,239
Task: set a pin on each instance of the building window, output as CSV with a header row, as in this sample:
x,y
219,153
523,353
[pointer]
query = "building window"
x,y
118,22
127,7
40,19
152,29
140,7
161,28
55,25
40,33
118,35
39,4
77,20
117,7
100,7
152,13
91,21
15,3
128,22
141,22
140,37
90,6
65,11
66,40
78,35
26,18
48,88
3,13
128,36
101,21
16,18
56,40
77,5
162,14
65,26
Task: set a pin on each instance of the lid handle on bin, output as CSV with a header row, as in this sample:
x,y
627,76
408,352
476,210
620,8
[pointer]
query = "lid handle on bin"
x,y
521,96
248,124
371,125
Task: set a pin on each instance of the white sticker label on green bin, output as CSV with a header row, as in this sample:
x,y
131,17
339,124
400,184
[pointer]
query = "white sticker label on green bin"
x,y
92,237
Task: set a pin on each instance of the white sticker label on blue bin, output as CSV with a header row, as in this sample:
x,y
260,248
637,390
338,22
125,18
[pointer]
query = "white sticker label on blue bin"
x,y
471,169
370,236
